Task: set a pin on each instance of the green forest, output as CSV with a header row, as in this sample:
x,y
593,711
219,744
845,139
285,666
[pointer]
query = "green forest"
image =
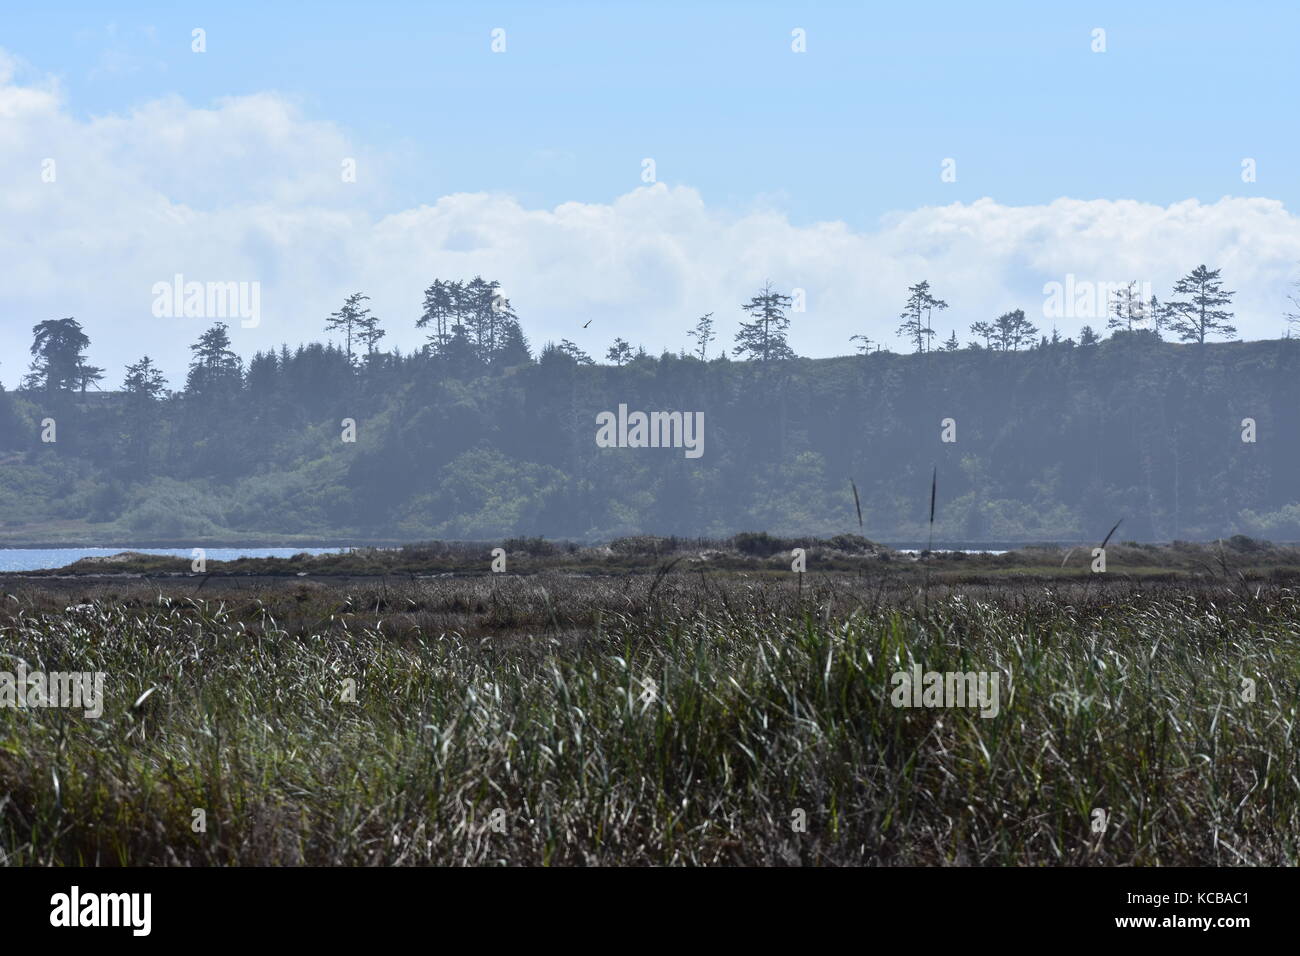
x,y
1033,437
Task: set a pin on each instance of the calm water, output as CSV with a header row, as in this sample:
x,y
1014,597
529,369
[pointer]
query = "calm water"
x,y
36,559
950,551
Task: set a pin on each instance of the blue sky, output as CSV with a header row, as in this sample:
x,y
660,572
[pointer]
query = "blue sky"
x,y
849,135
854,128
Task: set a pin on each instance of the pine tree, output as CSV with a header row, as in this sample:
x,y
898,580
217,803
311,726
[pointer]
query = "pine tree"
x,y
355,320
512,346
368,332
703,334
143,385
919,303
620,352
476,314
460,353
1199,315
573,352
214,368
865,347
497,315
1127,308
59,365
1013,329
144,381
931,305
763,338
440,301
986,331
88,375
1157,314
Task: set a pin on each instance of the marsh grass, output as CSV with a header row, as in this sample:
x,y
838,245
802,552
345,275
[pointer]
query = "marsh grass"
x,y
528,695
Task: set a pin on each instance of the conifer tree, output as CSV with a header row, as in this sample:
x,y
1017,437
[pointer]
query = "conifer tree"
x,y
763,338
703,334
1199,315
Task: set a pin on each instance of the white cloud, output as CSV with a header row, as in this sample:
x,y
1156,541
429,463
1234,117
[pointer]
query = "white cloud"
x,y
250,190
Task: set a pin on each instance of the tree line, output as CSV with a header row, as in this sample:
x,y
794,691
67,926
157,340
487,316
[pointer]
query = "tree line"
x,y
471,326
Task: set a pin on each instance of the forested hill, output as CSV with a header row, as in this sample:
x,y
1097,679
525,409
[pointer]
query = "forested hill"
x,y
1054,443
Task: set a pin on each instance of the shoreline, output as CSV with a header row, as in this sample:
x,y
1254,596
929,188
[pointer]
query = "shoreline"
x,y
900,545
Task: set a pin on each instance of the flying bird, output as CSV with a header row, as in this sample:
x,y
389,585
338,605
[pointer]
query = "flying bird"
x,y
587,323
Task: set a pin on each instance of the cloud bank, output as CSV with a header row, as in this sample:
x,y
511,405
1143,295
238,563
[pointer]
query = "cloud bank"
x,y
98,210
